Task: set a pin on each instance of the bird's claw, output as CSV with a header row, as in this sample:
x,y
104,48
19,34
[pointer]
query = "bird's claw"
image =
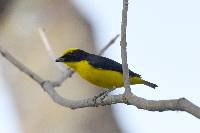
x,y
101,96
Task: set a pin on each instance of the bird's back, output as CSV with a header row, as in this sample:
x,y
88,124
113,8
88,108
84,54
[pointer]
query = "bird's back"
x,y
107,64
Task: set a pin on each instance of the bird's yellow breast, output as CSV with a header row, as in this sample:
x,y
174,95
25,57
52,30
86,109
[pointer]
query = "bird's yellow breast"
x,y
97,76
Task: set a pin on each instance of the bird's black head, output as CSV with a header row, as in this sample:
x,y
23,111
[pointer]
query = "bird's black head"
x,y
73,55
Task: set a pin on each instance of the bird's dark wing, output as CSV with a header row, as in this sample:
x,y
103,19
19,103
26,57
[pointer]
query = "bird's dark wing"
x,y
108,64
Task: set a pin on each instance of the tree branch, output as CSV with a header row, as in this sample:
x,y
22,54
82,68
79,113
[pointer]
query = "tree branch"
x,y
181,104
123,44
20,66
112,41
49,49
65,72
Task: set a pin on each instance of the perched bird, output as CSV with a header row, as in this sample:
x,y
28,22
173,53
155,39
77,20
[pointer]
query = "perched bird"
x,y
98,70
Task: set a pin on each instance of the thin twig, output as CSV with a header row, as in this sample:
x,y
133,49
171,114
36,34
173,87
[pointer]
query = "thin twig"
x,y
123,44
66,72
112,41
58,82
50,52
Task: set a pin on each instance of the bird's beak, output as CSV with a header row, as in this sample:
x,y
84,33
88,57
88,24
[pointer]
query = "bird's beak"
x,y
61,59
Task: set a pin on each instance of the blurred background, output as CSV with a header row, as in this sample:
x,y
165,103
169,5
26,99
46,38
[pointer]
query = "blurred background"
x,y
163,46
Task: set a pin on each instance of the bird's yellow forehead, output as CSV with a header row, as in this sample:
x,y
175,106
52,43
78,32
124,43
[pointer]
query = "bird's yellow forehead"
x,y
70,50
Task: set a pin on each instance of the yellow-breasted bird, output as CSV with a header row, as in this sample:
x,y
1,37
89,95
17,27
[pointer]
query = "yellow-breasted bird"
x,y
98,70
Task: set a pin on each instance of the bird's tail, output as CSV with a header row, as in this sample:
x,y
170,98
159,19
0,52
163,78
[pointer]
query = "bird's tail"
x,y
139,80
152,85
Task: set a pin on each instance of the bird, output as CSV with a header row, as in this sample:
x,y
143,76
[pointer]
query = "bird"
x,y
98,70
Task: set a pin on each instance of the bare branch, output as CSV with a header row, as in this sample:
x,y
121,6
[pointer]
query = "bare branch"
x,y
123,44
58,82
49,49
112,41
181,104
20,66
66,72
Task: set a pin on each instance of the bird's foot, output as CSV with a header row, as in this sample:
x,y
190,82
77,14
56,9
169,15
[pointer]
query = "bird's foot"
x,y
101,96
